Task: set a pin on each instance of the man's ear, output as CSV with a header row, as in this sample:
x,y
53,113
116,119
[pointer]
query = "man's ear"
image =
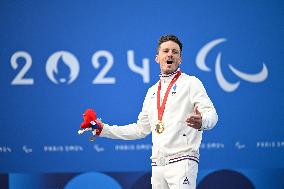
x,y
157,59
180,61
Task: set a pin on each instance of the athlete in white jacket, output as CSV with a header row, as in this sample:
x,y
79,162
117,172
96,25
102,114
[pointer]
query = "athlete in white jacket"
x,y
176,110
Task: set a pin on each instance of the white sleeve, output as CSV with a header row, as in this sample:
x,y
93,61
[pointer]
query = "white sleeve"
x,y
132,131
205,106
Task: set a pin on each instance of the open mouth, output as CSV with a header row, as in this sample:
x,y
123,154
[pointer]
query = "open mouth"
x,y
169,61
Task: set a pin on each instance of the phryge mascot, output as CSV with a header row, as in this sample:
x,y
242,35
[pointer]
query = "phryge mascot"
x,y
91,123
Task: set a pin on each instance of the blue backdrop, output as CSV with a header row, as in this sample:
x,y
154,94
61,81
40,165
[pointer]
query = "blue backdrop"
x,y
58,58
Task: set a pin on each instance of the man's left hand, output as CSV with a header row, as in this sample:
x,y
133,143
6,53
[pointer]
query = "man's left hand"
x,y
195,119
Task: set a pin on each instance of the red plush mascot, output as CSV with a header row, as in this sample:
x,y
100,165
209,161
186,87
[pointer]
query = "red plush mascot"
x,y
91,123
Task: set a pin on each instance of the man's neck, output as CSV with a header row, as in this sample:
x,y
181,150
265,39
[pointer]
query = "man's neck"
x,y
169,74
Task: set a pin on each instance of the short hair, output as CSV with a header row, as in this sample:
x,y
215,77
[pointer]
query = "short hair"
x,y
165,38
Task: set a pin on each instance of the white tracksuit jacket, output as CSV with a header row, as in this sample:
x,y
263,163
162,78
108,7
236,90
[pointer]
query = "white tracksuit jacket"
x,y
187,92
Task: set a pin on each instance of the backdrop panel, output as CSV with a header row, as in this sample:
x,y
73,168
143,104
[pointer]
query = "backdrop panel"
x,y
59,58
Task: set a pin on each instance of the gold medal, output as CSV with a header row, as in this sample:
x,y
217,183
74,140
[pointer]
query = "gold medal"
x,y
159,127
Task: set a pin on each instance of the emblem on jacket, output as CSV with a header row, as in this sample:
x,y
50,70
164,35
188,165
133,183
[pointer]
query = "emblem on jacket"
x,y
174,89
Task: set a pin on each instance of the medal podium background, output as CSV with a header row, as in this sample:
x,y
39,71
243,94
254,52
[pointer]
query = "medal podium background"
x,y
59,58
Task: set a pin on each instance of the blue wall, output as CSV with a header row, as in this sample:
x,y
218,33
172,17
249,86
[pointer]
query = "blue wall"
x,y
58,58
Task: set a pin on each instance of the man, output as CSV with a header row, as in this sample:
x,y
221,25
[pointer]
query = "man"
x,y
177,110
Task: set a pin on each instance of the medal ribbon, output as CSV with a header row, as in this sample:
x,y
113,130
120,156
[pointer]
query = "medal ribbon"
x,y
160,108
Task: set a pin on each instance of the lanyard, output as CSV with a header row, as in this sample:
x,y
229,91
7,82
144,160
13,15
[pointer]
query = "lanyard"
x,y
161,108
